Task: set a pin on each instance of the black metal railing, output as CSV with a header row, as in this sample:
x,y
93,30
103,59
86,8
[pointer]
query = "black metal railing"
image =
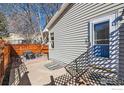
x,y
89,70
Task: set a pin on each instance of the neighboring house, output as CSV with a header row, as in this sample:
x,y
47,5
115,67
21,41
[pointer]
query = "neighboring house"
x,y
15,38
96,27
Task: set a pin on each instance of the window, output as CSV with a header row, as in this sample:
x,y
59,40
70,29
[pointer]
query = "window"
x,y
52,39
101,31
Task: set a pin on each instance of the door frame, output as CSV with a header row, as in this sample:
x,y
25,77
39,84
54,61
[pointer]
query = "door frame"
x,y
100,19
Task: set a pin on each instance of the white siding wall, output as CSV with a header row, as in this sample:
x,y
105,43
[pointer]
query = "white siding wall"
x,y
71,32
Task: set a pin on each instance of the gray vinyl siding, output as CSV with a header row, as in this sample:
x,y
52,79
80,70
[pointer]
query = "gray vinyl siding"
x,y
71,31
121,52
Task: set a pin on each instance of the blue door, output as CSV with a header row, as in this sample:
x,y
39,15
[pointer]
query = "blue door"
x,y
101,39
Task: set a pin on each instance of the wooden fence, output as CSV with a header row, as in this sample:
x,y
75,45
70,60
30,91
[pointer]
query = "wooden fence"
x,y
4,60
19,49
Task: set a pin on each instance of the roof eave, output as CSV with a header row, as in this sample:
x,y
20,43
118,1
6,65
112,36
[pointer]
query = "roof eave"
x,y
56,16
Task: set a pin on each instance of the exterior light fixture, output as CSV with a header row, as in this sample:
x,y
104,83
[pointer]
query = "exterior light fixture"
x,y
119,19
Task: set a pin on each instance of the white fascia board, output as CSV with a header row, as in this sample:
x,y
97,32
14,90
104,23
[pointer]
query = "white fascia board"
x,y
55,17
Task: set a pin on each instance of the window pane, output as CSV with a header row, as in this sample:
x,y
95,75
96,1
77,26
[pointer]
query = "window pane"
x,y
52,40
101,31
52,36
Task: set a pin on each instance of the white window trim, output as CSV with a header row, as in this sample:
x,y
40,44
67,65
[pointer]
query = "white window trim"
x,y
109,18
50,41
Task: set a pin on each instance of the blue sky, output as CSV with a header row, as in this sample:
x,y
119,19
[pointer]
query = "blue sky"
x,y
8,9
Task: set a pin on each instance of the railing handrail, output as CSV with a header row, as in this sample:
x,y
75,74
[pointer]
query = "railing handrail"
x,y
87,64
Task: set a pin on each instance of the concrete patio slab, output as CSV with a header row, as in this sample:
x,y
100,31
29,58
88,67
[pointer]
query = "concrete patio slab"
x,y
39,74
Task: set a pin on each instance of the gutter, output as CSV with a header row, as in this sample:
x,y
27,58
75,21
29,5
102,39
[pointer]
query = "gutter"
x,y
56,16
